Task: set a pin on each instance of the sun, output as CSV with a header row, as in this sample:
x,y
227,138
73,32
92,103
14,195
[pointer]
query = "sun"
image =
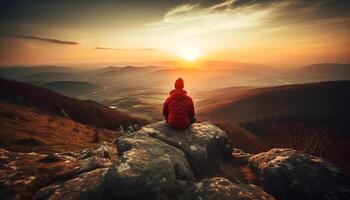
x,y
190,53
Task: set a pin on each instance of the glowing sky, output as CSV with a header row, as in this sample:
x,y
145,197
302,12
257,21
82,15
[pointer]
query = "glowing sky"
x,y
271,32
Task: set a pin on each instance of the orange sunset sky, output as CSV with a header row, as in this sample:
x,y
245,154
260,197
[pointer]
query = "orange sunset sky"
x,y
272,32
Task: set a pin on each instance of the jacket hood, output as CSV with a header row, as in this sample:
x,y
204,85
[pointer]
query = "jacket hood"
x,y
179,83
178,94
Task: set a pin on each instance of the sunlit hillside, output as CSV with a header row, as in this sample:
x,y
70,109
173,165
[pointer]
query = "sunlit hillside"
x,y
175,100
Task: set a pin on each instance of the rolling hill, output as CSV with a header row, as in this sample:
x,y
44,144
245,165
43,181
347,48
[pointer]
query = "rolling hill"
x,y
72,88
130,70
313,118
26,129
21,71
317,72
330,69
118,72
50,76
284,102
81,111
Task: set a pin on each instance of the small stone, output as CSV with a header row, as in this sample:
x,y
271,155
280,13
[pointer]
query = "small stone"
x,y
193,148
53,157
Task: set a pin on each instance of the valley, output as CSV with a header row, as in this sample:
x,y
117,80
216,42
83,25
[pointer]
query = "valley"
x,y
175,100
65,121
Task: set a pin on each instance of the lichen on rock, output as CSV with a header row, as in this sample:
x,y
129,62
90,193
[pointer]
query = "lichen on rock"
x,y
160,163
289,174
219,188
146,165
202,143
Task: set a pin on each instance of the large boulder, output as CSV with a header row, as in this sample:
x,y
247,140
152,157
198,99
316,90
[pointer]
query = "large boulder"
x,y
289,174
84,187
202,143
240,157
219,188
93,163
146,166
160,163
102,151
54,175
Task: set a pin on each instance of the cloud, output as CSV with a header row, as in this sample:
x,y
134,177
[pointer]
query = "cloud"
x,y
190,20
124,49
245,26
55,41
193,19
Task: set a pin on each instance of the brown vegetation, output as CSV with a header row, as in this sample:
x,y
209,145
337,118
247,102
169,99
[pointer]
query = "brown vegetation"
x,y
312,118
312,140
28,130
82,111
315,140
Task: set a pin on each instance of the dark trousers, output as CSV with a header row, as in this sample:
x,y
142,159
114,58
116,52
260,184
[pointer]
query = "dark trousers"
x,y
193,120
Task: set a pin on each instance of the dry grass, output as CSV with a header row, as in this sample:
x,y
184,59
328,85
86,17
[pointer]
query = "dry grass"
x,y
81,111
27,130
315,140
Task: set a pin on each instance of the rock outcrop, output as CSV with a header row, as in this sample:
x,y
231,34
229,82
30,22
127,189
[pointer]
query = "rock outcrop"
x,y
87,186
54,176
289,174
240,156
159,163
146,165
202,143
219,188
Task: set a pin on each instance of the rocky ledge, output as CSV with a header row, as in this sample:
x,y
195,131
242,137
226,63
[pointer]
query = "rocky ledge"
x,y
159,163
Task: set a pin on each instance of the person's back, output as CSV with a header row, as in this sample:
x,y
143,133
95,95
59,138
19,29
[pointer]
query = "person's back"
x,y
178,108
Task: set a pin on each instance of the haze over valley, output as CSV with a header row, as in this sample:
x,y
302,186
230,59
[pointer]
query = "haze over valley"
x,y
92,105
141,90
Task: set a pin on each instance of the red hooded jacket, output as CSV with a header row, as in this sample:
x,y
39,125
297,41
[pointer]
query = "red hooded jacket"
x,y
178,109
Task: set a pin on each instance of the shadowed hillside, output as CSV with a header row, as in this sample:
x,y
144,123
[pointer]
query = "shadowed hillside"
x,y
332,70
25,129
82,111
283,102
316,73
309,117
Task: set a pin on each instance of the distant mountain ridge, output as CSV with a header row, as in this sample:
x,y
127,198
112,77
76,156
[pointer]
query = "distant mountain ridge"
x,y
19,71
325,68
72,88
49,76
322,72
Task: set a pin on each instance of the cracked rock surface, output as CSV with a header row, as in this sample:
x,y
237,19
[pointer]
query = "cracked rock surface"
x,y
145,167
159,163
289,174
219,188
202,143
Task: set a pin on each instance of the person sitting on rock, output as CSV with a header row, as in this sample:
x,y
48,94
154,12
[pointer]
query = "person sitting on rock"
x,y
178,109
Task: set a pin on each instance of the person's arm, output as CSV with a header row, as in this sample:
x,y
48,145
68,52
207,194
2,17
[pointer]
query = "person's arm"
x,y
166,110
191,112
